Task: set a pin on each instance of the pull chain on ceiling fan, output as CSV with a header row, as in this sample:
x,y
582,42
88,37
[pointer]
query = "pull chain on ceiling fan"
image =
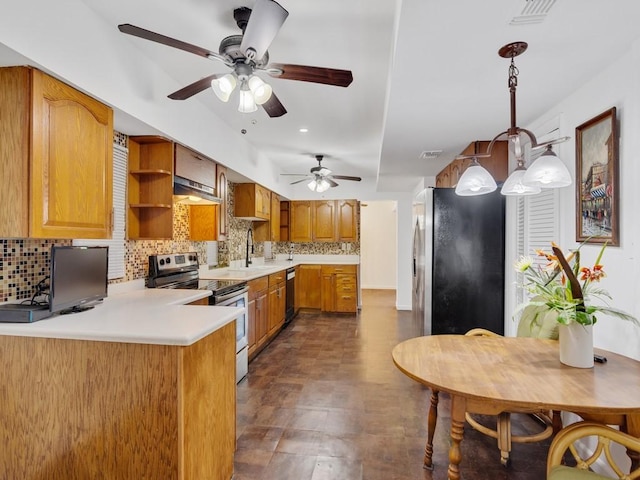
x,y
247,55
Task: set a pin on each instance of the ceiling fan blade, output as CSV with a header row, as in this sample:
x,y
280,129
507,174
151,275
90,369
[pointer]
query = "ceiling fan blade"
x,y
346,177
171,42
195,87
264,24
305,73
295,174
298,181
331,182
273,107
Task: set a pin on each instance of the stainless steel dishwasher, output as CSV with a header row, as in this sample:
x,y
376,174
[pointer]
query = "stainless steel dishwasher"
x,y
290,296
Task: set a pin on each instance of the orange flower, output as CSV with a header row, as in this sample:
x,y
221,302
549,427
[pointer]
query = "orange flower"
x,y
593,275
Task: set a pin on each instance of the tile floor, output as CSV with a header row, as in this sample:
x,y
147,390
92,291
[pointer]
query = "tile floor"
x,y
325,402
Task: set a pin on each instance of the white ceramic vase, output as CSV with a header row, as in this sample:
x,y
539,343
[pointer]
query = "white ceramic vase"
x,y
576,345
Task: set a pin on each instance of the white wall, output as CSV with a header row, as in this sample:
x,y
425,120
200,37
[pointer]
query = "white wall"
x,y
616,85
378,244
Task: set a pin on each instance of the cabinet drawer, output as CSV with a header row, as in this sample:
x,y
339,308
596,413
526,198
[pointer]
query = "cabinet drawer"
x,y
345,279
256,285
346,303
346,289
276,278
336,269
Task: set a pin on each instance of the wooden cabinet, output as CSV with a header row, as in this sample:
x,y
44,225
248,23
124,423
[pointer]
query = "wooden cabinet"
x,y
223,208
347,220
119,410
56,159
300,221
284,221
277,302
269,231
203,224
339,288
308,286
258,315
252,201
497,164
150,188
323,221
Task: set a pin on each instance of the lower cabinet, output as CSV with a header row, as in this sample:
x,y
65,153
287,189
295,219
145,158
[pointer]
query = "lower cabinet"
x,y
258,314
277,302
339,288
308,286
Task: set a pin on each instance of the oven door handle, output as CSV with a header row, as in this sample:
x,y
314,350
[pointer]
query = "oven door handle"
x,y
219,301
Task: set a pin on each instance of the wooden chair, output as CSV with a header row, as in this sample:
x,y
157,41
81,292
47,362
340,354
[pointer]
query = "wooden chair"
x,y
606,436
534,322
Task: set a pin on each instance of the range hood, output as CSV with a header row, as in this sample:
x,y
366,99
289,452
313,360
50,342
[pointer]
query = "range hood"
x,y
189,192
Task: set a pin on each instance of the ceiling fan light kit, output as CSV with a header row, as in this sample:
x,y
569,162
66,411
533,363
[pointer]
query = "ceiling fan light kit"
x,y
247,54
548,171
321,177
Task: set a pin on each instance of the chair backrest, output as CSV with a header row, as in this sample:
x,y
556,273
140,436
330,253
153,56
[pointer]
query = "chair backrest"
x,y
584,459
538,321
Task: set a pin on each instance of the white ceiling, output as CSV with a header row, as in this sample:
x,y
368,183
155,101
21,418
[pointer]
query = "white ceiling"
x,y
427,75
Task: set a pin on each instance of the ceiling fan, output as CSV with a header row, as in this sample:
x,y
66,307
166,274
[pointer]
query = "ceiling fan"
x,y
246,55
321,177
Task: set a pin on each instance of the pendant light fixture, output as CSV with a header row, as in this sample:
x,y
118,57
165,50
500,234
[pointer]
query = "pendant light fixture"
x,y
548,171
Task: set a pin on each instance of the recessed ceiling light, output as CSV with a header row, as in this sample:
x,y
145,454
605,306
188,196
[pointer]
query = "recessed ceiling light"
x,y
303,130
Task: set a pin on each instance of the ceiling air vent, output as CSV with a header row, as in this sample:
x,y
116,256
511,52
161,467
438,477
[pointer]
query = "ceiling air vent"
x,y
532,11
430,154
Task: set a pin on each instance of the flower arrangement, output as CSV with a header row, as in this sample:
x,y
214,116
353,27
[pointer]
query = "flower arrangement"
x,y
556,287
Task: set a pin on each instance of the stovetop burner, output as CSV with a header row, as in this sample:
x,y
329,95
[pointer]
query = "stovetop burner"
x,y
180,270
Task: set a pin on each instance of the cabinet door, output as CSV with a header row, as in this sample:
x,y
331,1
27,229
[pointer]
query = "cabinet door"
x,y
274,306
275,217
324,221
308,286
328,295
223,214
262,316
300,221
202,222
251,325
72,162
347,220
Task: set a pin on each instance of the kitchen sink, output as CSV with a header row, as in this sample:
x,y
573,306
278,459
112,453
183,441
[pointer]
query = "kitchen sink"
x,y
252,268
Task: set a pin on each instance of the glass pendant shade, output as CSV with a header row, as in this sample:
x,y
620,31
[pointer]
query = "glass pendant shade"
x,y
514,185
247,103
547,171
224,86
475,181
261,91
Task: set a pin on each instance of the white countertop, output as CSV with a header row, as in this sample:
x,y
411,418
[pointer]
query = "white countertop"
x,y
260,268
151,316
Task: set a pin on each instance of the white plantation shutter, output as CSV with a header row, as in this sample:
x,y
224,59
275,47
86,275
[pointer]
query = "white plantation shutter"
x,y
117,242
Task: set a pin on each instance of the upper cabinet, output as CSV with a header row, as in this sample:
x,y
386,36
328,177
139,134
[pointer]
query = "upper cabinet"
x,y
269,231
56,159
323,221
151,190
223,209
497,164
252,202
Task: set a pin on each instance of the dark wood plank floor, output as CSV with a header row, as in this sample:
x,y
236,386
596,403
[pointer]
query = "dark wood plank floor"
x,y
325,402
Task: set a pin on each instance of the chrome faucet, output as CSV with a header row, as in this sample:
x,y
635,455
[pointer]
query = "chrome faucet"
x,y
247,260
290,252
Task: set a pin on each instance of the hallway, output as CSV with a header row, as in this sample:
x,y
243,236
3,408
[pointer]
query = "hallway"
x,y
325,402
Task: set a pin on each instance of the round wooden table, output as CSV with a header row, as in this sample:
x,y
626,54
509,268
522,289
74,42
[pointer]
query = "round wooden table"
x,y
489,375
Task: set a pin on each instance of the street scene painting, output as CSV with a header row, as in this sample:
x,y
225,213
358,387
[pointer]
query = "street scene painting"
x,y
597,179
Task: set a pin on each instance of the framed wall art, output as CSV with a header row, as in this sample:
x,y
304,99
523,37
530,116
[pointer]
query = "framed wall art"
x,y
597,180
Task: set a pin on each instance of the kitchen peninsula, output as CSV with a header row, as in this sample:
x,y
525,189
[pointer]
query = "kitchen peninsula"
x,y
142,386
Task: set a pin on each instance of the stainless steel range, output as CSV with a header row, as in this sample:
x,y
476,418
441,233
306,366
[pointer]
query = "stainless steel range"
x,y
180,270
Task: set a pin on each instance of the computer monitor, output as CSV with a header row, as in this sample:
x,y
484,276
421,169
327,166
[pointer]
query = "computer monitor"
x,y
78,278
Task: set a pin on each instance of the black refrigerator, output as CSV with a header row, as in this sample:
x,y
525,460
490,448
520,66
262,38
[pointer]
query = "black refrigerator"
x,y
468,266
